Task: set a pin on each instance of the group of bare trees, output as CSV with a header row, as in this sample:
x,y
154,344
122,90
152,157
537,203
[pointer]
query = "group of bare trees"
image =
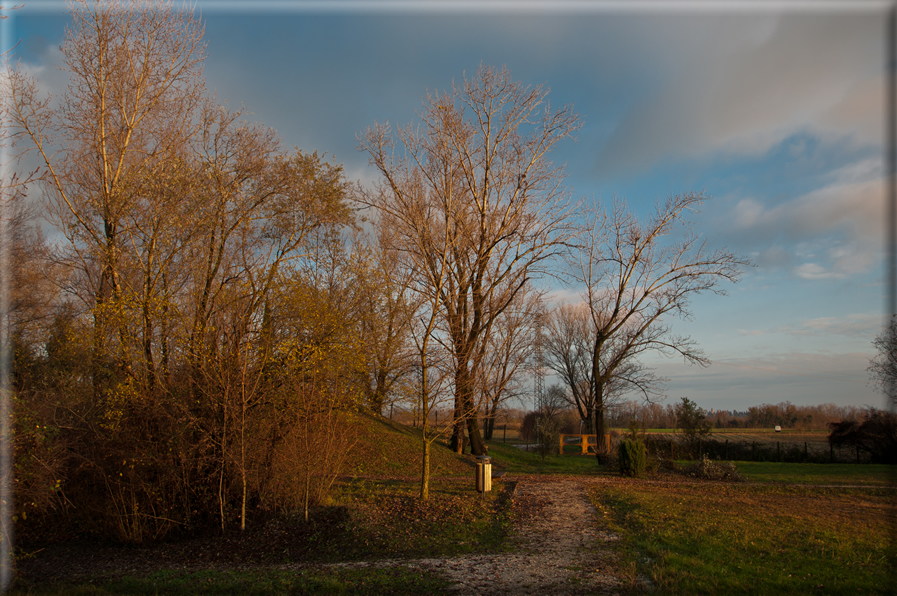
x,y
206,309
478,210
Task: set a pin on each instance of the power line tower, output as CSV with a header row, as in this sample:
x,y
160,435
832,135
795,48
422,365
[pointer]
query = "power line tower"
x,y
538,364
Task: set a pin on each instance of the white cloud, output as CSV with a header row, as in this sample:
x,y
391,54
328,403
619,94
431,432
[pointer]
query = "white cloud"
x,y
46,71
752,332
748,213
558,296
830,233
852,325
859,114
807,73
814,271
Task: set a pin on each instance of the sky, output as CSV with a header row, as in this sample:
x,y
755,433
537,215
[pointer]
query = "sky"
x,y
775,110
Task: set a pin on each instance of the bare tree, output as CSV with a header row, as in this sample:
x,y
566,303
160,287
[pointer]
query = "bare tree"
x,y
569,343
478,168
510,349
883,368
634,279
419,241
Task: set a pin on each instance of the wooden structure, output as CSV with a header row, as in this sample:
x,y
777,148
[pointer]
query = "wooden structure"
x,y
587,442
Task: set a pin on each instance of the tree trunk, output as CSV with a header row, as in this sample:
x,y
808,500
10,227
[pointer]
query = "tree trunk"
x,y
456,443
598,392
379,393
588,427
149,361
243,453
477,445
465,412
425,468
600,451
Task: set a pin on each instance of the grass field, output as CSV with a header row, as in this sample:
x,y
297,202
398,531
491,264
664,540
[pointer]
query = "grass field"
x,y
713,538
822,474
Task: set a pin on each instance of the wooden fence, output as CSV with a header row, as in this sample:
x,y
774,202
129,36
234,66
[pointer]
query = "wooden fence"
x,y
586,441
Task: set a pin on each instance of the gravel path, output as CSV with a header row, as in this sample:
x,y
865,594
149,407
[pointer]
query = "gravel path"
x,y
560,549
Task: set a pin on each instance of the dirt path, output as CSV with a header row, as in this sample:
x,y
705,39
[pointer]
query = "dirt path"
x,y
561,549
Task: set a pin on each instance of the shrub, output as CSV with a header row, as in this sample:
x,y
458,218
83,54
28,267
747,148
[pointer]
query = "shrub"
x,y
711,470
631,457
547,436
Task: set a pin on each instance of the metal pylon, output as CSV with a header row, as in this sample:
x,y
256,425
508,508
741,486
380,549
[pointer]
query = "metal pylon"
x,y
538,364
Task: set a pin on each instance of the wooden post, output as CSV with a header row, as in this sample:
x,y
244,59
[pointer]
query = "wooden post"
x,y
504,436
561,446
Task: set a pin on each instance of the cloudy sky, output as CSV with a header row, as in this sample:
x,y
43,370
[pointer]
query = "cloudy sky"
x,y
776,112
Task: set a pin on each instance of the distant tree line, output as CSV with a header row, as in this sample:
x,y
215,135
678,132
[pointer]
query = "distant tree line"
x,y
784,414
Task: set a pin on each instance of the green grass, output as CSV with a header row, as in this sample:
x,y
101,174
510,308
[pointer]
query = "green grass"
x,y
714,538
307,581
387,519
386,448
846,474
517,461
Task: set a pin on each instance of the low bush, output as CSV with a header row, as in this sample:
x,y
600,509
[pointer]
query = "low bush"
x,y
631,457
708,469
547,436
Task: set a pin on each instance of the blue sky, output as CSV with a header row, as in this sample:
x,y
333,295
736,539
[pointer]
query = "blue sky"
x,y
777,113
